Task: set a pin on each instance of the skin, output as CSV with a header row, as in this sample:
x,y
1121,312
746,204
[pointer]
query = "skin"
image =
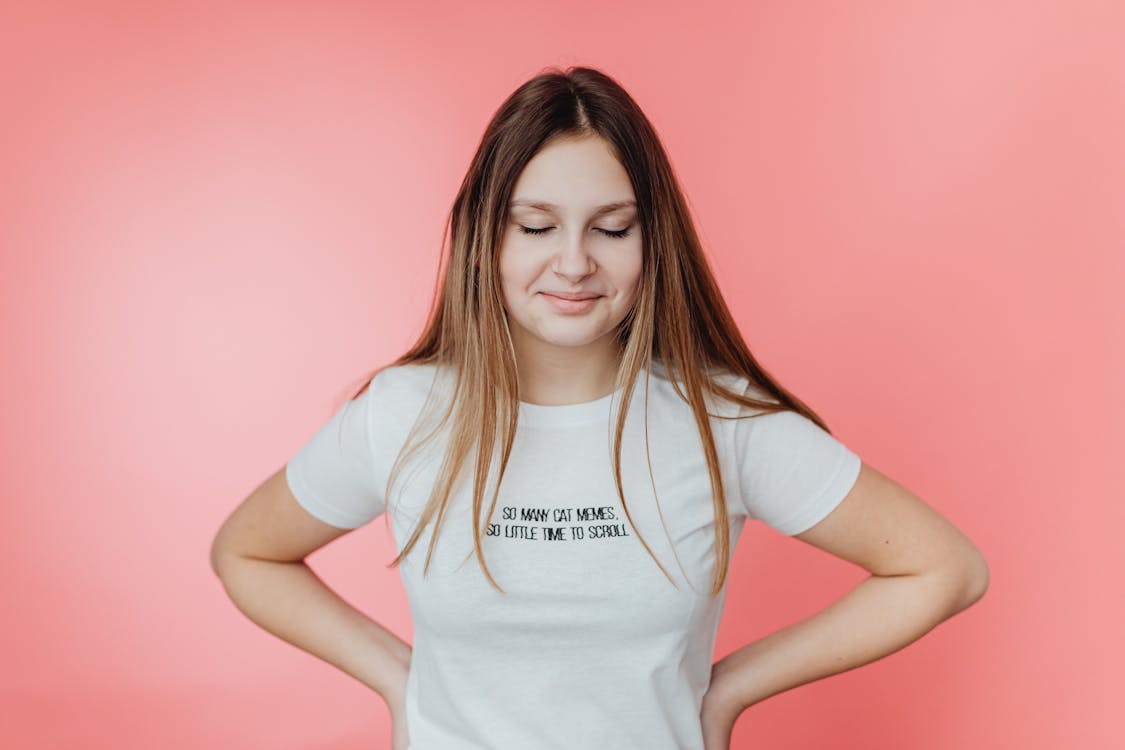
x,y
568,358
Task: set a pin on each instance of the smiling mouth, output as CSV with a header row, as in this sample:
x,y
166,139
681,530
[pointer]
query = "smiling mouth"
x,y
571,306
571,297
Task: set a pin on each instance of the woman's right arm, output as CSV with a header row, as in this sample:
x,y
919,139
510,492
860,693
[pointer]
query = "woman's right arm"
x,y
259,555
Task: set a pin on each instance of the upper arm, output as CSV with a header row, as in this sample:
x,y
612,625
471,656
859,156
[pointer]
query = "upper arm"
x,y
327,488
884,528
271,525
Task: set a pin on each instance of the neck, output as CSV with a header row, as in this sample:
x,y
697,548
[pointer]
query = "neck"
x,y
555,375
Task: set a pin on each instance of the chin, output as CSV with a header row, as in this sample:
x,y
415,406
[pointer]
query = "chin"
x,y
578,340
568,341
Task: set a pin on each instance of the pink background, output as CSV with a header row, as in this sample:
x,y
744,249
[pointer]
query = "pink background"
x,y
215,217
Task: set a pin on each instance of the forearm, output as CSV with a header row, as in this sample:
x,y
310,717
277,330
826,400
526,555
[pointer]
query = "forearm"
x,y
881,615
290,601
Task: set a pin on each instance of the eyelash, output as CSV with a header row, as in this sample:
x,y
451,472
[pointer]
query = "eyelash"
x,y
619,234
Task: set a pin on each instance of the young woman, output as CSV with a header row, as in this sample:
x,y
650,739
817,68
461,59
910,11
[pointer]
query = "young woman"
x,y
567,457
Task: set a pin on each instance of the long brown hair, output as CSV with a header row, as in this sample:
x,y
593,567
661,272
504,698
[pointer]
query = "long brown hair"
x,y
679,319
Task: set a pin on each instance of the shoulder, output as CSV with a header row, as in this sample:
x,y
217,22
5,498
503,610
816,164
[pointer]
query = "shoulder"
x,y
407,377
671,394
737,383
400,389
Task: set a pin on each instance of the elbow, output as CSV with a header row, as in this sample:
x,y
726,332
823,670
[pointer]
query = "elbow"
x,y
959,584
216,561
972,581
980,581
220,556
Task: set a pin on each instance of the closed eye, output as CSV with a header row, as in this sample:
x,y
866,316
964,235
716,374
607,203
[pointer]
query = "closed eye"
x,y
617,234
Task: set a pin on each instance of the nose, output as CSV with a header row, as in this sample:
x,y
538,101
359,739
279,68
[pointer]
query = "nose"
x,y
573,261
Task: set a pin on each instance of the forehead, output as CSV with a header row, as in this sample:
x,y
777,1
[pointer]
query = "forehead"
x,y
580,175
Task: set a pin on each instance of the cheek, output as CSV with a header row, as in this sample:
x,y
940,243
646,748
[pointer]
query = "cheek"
x,y
505,268
518,271
512,278
514,281
629,272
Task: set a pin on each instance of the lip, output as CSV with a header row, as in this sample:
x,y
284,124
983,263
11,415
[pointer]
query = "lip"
x,y
573,295
580,304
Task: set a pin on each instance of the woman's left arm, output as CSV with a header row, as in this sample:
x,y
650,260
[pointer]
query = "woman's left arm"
x,y
923,571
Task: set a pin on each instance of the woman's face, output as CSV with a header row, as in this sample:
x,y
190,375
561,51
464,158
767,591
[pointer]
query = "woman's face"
x,y
572,231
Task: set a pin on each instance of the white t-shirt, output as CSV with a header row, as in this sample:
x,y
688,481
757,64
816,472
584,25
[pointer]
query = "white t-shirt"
x,y
591,646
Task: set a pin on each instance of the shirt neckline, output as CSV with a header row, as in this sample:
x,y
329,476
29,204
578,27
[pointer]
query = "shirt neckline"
x,y
600,410
585,413
569,415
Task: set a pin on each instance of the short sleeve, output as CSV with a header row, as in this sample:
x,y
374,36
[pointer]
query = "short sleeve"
x,y
333,475
792,472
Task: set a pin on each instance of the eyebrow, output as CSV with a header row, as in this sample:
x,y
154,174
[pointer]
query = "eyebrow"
x,y
544,206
